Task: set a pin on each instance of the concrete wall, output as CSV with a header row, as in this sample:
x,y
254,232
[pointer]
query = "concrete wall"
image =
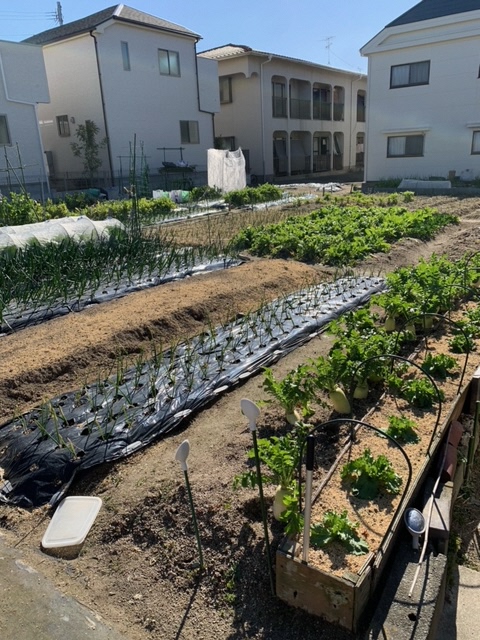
x,y
445,110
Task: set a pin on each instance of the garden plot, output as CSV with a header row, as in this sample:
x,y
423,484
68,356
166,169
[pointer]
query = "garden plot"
x,y
136,567
41,451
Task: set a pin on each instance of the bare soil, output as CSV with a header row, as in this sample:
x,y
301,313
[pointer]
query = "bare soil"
x,y
137,569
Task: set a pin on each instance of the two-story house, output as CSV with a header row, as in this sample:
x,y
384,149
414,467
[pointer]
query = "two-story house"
x,y
23,86
423,107
137,77
289,116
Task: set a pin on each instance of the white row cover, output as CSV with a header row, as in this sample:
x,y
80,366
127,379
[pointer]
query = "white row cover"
x,y
76,227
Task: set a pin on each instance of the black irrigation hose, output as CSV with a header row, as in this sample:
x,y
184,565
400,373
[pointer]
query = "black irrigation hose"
x,y
41,451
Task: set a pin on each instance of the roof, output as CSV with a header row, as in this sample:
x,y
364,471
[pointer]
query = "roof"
x,y
429,9
238,50
118,12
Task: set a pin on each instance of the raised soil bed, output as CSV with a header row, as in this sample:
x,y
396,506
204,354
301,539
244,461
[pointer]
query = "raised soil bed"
x,y
337,585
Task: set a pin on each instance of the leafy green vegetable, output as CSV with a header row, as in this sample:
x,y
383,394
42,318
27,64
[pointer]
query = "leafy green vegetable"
x,y
462,343
337,526
420,392
402,429
439,366
292,392
370,476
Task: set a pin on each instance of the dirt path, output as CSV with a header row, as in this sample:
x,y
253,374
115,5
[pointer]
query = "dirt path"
x,y
137,566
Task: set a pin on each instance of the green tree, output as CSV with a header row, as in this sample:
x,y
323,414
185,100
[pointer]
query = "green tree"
x,y
88,148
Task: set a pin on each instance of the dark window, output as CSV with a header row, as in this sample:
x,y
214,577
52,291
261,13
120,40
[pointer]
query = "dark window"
x,y
4,133
476,142
279,100
225,90
189,132
125,56
63,126
405,146
410,75
169,62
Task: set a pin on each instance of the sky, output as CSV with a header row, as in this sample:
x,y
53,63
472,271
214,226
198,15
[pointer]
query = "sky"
x,y
328,33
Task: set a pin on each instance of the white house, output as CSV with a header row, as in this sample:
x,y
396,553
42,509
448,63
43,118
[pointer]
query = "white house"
x,y
136,77
289,116
23,85
423,106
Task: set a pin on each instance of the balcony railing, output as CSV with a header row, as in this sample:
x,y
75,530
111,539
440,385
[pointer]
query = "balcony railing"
x,y
279,107
338,161
321,163
300,109
338,111
322,110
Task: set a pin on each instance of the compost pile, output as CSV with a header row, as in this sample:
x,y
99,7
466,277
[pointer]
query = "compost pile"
x,y
137,569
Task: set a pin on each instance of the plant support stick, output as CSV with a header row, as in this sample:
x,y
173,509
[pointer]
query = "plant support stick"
x,y
181,455
251,411
308,495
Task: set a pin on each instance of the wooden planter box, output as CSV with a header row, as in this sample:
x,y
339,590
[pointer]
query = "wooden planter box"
x,y
343,600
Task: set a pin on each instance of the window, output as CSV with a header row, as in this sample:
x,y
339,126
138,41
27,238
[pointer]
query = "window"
x,y
279,106
361,103
63,126
409,75
225,90
189,132
405,146
125,56
169,62
476,142
4,133
227,143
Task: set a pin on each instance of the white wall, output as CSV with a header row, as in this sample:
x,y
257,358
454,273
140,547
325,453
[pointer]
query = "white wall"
x,y
150,105
75,92
23,83
446,109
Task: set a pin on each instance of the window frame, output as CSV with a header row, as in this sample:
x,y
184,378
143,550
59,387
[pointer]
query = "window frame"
x,y
192,130
228,98
125,56
6,128
170,54
63,131
406,154
475,134
410,83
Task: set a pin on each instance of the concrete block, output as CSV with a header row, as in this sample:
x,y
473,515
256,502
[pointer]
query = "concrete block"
x,y
401,617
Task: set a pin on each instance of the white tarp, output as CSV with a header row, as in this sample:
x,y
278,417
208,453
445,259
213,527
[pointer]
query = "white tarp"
x,y
76,227
226,170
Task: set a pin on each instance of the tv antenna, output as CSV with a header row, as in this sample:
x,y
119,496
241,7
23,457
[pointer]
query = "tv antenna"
x,y
58,14
328,46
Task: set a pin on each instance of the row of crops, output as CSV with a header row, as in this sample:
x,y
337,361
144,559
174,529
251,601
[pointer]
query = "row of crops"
x,y
40,281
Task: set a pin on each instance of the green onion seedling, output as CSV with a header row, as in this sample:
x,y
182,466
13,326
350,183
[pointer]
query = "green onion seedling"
x,y
181,455
251,411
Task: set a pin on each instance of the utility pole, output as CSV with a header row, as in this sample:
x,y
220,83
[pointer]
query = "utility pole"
x,y
58,14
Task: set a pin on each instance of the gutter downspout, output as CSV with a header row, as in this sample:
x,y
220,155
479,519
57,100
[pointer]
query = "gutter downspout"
x,y
262,114
353,105
104,111
212,114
